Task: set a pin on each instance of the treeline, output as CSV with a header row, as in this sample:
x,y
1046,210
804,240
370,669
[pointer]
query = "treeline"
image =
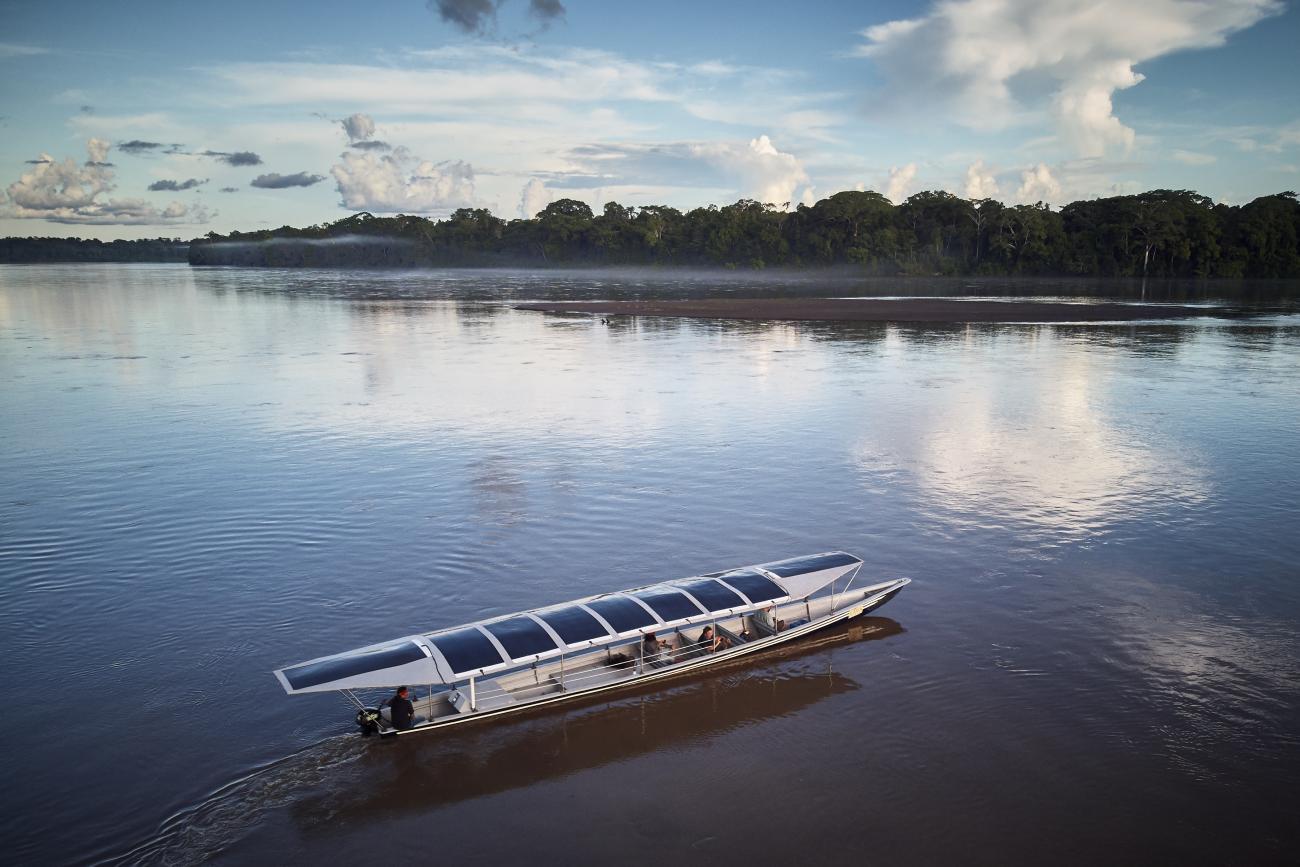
x,y
33,250
1162,233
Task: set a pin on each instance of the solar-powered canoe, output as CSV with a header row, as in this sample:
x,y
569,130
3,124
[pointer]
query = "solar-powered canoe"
x,y
545,656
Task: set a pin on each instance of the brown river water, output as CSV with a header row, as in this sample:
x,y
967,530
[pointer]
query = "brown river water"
x,y
209,474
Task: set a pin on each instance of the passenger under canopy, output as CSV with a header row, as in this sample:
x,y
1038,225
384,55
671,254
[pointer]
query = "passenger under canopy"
x,y
622,613
521,636
573,624
466,649
669,603
758,588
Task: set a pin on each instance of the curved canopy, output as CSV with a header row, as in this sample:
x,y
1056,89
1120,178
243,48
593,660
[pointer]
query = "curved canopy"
x,y
453,655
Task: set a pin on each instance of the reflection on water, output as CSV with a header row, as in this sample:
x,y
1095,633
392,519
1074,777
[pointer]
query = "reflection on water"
x,y
208,474
1043,451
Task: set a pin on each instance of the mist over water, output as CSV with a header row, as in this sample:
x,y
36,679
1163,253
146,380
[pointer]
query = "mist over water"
x,y
210,473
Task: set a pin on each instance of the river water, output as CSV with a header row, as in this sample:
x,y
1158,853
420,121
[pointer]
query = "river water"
x,y
208,474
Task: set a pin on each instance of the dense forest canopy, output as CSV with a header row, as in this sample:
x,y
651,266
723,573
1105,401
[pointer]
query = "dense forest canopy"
x,y
33,250
1161,233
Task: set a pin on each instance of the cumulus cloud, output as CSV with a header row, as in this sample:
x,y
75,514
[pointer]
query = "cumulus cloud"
x,y
534,198
1038,185
176,186
980,182
972,53
753,170
359,127
64,192
765,173
97,153
228,190
361,131
399,182
237,158
274,181
900,182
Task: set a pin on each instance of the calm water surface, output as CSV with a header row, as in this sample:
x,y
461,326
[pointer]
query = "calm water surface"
x,y
210,474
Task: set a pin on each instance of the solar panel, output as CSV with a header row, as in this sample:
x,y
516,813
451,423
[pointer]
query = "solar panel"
x,y
668,603
711,594
521,636
316,673
811,563
573,624
466,649
622,613
753,585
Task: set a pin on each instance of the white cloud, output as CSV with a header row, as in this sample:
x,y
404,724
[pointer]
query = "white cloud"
x,y
765,173
65,192
1038,185
756,169
359,127
1192,158
10,49
97,150
980,182
534,197
900,182
400,182
973,52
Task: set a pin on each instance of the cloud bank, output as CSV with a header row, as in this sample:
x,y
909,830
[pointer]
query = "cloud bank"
x,y
971,54
64,192
401,183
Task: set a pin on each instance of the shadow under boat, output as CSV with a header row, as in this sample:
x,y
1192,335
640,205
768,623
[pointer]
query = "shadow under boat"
x,y
426,773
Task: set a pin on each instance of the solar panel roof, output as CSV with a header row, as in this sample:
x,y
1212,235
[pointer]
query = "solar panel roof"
x,y
811,563
668,603
622,613
521,636
711,594
757,587
316,673
466,649
573,624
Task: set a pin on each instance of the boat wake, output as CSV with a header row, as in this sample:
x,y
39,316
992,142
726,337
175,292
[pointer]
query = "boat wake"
x,y
200,832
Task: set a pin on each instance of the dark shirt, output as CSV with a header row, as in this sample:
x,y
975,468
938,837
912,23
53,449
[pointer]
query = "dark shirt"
x,y
402,711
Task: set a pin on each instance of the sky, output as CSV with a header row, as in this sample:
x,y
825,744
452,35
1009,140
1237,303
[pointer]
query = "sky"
x,y
147,119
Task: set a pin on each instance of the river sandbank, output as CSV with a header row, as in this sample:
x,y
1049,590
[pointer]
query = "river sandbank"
x,y
883,310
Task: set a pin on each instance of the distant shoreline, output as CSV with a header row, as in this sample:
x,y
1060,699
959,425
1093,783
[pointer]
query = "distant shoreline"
x,y
883,310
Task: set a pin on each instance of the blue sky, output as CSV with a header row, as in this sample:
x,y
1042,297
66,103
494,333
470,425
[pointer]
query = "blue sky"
x,y
148,118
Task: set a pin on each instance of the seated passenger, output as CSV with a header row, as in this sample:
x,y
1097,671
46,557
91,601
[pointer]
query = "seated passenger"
x,y
652,647
400,709
767,617
713,643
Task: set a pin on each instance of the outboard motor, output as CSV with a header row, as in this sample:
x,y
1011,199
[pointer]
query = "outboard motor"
x,y
368,721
